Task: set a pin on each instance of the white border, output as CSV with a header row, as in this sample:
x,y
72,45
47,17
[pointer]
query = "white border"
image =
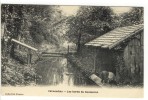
x,y
79,2
142,3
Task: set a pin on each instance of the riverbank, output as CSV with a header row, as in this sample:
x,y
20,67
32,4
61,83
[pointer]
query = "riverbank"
x,y
15,74
78,62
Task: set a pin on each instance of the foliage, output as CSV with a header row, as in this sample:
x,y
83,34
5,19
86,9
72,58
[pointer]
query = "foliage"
x,y
29,24
135,16
12,15
90,22
15,74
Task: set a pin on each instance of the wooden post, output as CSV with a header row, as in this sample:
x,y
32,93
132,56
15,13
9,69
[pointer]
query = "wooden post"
x,y
19,39
6,41
29,56
67,54
68,49
94,60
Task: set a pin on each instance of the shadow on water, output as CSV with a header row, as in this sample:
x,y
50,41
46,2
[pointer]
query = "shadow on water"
x,y
57,71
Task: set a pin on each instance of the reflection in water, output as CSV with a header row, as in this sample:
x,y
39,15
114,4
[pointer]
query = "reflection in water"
x,y
57,71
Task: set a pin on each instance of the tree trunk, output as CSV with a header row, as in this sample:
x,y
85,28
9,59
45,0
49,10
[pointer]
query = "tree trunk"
x,y
79,43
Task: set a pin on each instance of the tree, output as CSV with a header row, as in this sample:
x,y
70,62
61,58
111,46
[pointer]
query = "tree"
x,y
13,17
133,17
89,23
31,22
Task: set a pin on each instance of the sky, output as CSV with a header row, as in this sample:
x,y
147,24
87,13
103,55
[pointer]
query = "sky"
x,y
121,10
72,10
69,10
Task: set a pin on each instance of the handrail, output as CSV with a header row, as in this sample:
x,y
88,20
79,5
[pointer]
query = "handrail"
x,y
23,44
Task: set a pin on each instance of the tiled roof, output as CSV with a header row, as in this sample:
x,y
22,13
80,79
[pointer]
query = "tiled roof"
x,y
115,37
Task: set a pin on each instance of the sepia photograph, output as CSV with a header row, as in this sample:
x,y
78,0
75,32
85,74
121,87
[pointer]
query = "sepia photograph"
x,y
58,46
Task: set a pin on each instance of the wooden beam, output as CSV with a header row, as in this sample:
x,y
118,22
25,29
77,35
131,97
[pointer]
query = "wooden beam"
x,y
90,44
101,43
52,56
108,38
105,46
23,44
104,40
96,79
54,53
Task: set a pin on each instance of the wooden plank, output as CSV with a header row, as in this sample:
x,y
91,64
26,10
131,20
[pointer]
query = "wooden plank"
x,y
105,46
105,40
55,53
114,37
96,79
117,35
101,43
23,44
110,38
127,31
110,33
88,44
120,31
113,45
98,45
52,56
130,27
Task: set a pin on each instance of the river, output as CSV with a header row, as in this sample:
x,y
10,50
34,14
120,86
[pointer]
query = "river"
x,y
57,71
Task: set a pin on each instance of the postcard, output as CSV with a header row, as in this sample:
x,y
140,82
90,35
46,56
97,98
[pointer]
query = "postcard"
x,y
76,51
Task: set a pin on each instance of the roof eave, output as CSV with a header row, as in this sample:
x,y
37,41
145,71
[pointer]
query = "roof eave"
x,y
118,42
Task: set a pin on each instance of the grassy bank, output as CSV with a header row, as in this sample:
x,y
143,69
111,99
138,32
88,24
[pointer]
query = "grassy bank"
x,y
15,74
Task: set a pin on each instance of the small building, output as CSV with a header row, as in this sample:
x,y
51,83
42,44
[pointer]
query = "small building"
x,y
119,51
